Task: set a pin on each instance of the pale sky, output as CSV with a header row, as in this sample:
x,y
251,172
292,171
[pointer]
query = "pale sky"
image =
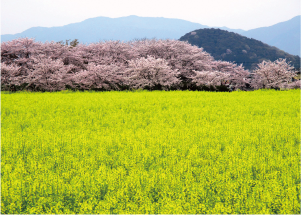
x,y
19,15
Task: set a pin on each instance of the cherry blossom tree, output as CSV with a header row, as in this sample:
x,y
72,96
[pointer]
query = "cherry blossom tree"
x,y
8,72
17,51
188,59
209,79
150,73
98,77
46,75
237,76
179,54
140,64
273,75
294,85
106,53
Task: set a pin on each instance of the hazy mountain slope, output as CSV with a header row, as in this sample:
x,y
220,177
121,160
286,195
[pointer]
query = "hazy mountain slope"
x,y
284,35
229,46
238,31
103,28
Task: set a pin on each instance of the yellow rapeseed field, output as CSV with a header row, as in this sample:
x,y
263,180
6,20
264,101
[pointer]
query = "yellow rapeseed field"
x,y
150,152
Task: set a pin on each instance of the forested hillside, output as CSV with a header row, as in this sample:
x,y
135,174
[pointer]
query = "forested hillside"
x,y
228,46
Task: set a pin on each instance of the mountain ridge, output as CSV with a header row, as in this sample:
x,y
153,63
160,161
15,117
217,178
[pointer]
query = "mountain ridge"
x,y
233,47
284,35
124,29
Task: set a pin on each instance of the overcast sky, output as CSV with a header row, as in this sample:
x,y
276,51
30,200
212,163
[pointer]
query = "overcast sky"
x,y
19,15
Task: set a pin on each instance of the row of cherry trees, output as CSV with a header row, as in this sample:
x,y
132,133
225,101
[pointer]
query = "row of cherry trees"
x,y
140,64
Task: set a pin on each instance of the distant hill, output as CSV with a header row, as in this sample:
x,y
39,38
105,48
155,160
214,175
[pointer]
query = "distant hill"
x,y
238,31
104,28
284,35
229,46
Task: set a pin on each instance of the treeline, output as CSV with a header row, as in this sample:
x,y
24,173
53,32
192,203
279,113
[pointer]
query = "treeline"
x,y
140,64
